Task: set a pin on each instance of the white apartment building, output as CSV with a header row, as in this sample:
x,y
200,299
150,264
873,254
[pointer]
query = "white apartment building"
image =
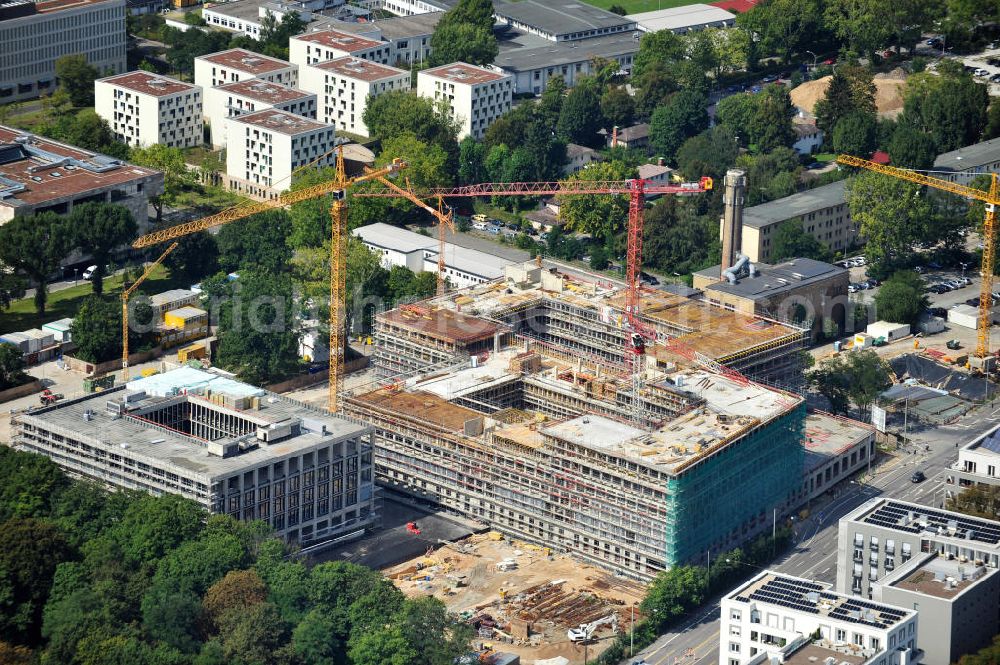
x,y
343,87
475,95
773,617
33,35
144,109
235,99
313,47
239,65
265,147
977,464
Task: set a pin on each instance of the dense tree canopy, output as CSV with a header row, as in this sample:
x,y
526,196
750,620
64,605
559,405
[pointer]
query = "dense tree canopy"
x,y
901,298
98,230
602,216
257,242
396,113
851,90
892,216
683,116
11,366
950,106
792,241
35,245
76,77
762,120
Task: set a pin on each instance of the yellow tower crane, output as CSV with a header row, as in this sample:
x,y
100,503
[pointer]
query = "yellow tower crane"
x,y
338,248
125,296
445,220
991,199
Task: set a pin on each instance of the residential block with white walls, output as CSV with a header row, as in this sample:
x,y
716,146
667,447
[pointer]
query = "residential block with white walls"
x,y
239,64
144,109
313,47
784,619
265,147
235,99
343,87
475,95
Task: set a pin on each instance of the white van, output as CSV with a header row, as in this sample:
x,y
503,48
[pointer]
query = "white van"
x,y
89,272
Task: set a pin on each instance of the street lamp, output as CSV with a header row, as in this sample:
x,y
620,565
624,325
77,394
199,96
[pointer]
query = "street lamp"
x,y
814,59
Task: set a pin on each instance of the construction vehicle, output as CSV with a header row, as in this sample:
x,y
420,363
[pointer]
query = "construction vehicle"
x,y
48,397
585,631
338,249
413,528
953,344
981,360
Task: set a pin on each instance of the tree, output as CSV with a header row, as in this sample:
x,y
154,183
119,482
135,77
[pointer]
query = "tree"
x,y
257,336
676,239
196,256
783,27
910,148
673,593
172,617
656,85
992,130
601,215
399,112
36,245
176,176
315,639
901,298
27,483
851,90
252,635
239,588
98,229
770,176
832,380
618,9
950,106
599,259
860,23
84,129
617,107
11,366
76,76
856,134
153,526
97,329
891,214
462,42
791,241
187,45
581,119
858,377
978,501
656,49
470,161
29,553
682,117
708,154
12,286
256,243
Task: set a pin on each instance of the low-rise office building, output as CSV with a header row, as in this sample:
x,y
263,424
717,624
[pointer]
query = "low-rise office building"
x,y
885,533
39,175
682,20
466,267
964,164
835,449
566,21
532,60
977,464
806,291
956,600
343,87
233,448
248,96
824,214
265,147
475,95
322,45
146,109
33,35
239,65
774,616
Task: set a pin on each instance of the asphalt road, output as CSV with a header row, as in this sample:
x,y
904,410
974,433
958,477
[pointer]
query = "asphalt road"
x,y
815,553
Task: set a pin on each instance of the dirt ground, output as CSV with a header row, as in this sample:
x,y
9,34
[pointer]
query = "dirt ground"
x,y
544,595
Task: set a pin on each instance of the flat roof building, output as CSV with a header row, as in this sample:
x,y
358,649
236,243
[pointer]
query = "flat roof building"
x,y
476,96
239,64
344,86
835,449
824,214
566,21
38,174
409,37
265,147
885,533
957,602
231,447
964,164
327,44
145,109
532,59
33,35
977,463
773,617
682,20
234,99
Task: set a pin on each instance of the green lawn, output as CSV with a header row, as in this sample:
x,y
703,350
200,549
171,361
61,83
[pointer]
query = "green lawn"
x,y
64,303
825,157
637,6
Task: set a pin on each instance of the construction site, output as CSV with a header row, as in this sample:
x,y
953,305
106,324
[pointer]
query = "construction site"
x,y
522,598
533,405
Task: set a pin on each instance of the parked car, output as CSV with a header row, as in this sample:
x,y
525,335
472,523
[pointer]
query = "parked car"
x,y
938,311
492,228
918,477
965,281
816,165
995,61
769,78
979,71
852,288
648,279
89,272
480,226
919,270
973,302
935,265
934,42
954,283
995,78
830,61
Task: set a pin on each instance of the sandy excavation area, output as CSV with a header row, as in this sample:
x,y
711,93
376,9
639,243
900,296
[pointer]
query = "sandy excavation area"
x,y
521,597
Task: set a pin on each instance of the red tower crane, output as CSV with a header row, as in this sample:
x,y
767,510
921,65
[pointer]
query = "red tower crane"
x,y
636,189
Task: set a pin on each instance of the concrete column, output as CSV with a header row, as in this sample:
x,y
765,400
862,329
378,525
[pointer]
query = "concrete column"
x,y
732,218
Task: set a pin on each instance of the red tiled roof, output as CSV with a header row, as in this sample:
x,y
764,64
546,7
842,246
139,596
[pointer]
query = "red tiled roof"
x,y
880,157
246,61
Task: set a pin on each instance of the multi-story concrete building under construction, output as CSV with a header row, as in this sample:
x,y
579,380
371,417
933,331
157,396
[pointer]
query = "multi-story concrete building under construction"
x,y
231,447
511,402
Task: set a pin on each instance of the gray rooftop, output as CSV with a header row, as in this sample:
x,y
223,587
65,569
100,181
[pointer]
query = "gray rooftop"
x,y
828,436
796,205
565,17
682,18
245,10
520,51
970,157
186,453
394,238
775,279
917,519
472,261
400,27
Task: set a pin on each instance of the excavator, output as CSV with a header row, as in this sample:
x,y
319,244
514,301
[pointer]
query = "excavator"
x,y
585,631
